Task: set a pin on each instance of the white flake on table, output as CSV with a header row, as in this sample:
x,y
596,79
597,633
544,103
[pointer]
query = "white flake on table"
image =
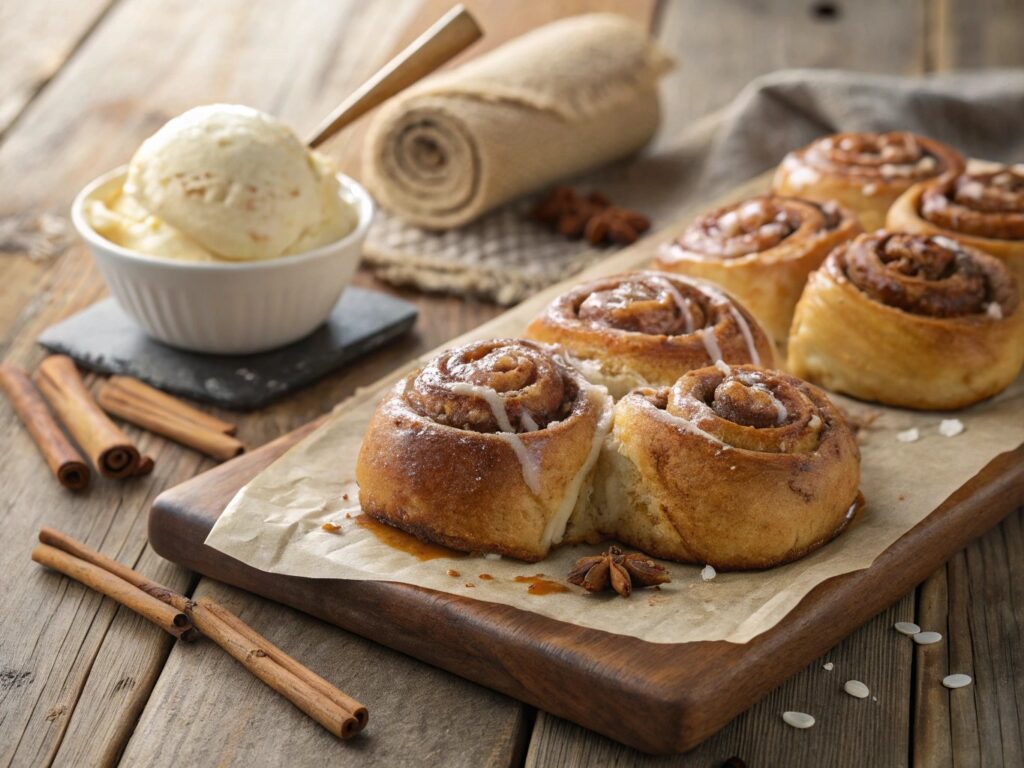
x,y
927,638
798,719
951,427
906,627
956,681
857,689
708,572
908,435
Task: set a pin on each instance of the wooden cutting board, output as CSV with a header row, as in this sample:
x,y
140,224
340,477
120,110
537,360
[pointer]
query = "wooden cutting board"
x,y
661,698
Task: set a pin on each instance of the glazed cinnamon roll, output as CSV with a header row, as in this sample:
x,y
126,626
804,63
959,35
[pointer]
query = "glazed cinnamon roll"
x,y
645,328
761,251
864,171
983,210
907,320
488,448
734,466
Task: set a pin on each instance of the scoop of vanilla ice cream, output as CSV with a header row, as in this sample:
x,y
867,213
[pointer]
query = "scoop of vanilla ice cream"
x,y
229,180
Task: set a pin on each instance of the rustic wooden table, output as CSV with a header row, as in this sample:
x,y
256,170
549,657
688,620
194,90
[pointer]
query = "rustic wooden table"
x,y
84,683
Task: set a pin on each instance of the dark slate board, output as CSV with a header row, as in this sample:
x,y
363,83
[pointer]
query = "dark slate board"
x,y
103,338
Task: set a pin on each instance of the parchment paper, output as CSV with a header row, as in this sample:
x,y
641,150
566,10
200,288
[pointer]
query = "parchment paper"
x,y
274,523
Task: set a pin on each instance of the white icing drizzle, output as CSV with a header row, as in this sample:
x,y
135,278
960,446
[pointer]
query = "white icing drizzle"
x,y
528,462
945,242
677,297
685,424
747,335
528,422
488,395
723,367
707,335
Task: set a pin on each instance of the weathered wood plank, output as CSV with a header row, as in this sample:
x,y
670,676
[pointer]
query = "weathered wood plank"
x,y
722,46
207,709
848,732
971,34
974,602
35,40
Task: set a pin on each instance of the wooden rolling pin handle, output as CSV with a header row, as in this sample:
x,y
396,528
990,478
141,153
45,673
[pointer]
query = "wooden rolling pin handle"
x,y
452,34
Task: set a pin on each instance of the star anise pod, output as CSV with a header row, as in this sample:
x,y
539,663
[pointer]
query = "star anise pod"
x,y
592,216
620,571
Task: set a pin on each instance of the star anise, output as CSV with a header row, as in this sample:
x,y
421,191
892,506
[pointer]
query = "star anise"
x,y
620,571
591,216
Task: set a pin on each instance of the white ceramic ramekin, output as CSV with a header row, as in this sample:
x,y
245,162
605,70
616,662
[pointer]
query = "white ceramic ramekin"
x,y
226,307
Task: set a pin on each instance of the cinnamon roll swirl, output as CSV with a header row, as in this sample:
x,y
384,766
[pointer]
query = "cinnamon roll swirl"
x,y
864,171
488,448
648,328
908,320
983,210
735,466
761,251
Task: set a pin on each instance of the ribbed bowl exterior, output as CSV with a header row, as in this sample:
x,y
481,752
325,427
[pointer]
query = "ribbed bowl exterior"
x,y
227,308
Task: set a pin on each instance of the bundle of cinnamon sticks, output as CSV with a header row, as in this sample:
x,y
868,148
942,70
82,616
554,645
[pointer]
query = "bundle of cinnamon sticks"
x,y
107,447
176,614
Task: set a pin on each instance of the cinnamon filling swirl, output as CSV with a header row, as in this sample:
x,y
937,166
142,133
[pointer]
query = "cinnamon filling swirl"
x,y
748,407
504,385
987,204
931,276
879,156
757,225
650,305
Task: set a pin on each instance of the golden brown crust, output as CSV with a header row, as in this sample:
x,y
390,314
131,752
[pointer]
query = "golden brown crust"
x,y
982,210
486,449
912,321
761,251
648,328
742,469
864,171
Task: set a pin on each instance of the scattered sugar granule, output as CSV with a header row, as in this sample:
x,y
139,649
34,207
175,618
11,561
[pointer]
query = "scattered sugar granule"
x,y
708,572
797,719
828,666
330,527
951,427
857,689
908,436
994,310
927,638
956,681
906,628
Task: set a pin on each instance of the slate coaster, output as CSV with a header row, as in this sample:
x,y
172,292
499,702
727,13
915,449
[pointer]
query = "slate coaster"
x,y
103,338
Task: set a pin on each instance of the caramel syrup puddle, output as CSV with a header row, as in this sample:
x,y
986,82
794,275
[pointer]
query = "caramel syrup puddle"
x,y
541,586
405,542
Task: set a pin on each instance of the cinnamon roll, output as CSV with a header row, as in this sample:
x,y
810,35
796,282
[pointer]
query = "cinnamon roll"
x,y
907,320
761,251
648,328
864,171
738,467
983,210
488,448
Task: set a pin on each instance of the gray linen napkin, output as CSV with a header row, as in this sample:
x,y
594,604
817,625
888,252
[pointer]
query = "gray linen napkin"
x,y
980,113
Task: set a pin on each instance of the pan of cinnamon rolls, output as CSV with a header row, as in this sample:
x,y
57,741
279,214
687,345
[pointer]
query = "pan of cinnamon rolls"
x,y
652,407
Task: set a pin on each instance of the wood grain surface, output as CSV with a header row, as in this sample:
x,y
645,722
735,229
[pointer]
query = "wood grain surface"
x,y
82,83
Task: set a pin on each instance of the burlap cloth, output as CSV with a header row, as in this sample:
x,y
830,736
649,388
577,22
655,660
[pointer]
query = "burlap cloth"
x,y
504,257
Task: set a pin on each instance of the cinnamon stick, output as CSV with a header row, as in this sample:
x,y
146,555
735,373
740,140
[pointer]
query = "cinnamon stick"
x,y
138,391
108,448
151,413
169,619
334,710
64,461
